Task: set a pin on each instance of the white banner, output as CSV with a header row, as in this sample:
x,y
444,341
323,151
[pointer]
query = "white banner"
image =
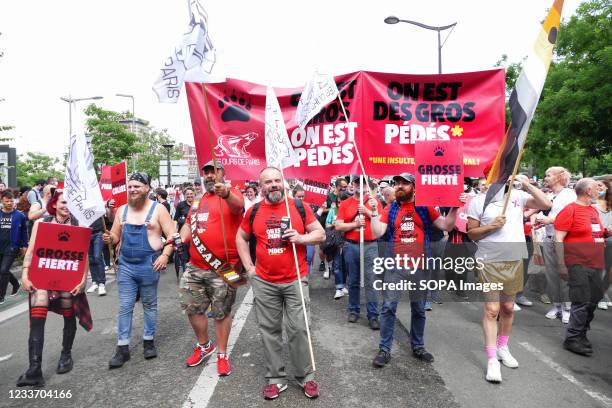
x,y
279,152
81,188
193,59
317,93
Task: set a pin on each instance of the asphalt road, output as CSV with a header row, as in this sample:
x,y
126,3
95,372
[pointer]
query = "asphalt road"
x,y
548,376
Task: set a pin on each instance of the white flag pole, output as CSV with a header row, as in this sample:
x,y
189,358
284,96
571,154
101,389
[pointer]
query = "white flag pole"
x,y
297,269
361,237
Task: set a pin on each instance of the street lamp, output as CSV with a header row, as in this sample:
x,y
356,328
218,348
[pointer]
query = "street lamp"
x,y
168,147
395,20
72,101
131,122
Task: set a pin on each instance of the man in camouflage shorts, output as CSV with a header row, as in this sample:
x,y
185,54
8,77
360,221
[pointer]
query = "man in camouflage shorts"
x,y
201,287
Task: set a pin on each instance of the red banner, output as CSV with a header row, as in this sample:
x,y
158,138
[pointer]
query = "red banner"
x,y
106,187
387,113
119,183
439,173
60,255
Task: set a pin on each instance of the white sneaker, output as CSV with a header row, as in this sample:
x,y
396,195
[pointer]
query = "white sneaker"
x,y
345,291
517,308
101,290
565,316
503,355
553,313
603,305
92,288
339,294
326,274
493,371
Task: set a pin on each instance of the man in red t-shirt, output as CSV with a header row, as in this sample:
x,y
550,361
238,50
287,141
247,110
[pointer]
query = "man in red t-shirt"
x,y
580,235
349,222
407,224
275,282
201,287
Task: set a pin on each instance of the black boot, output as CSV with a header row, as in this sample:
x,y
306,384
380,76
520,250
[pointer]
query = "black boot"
x,y
65,362
122,354
33,377
149,349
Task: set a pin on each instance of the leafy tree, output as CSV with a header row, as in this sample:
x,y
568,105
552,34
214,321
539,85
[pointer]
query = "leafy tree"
x,y
35,166
151,146
572,123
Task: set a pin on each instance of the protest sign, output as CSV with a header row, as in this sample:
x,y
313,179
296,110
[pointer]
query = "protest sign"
x,y
439,175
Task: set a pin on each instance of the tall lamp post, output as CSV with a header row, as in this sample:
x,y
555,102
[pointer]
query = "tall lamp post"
x,y
131,123
395,20
168,147
72,101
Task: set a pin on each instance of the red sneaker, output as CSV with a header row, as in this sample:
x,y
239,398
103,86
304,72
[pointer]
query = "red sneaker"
x,y
271,391
311,389
199,354
223,365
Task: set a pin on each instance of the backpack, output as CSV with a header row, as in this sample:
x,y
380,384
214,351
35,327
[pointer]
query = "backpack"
x,y
298,203
427,227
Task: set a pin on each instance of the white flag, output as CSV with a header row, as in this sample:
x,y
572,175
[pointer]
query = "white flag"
x,y
193,59
317,93
81,188
279,152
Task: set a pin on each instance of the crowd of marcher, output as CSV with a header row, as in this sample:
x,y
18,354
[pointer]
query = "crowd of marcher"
x,y
553,243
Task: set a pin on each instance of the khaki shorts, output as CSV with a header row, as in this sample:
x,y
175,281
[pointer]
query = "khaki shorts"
x,y
200,289
509,273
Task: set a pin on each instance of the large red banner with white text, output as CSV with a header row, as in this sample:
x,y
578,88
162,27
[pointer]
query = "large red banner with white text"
x,y
387,115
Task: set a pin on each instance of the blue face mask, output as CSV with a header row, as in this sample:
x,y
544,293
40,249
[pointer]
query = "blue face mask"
x,y
602,194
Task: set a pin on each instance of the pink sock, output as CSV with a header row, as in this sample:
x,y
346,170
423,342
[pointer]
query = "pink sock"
x,y
491,352
502,341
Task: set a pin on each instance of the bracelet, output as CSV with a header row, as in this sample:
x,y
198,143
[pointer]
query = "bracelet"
x,y
167,256
228,194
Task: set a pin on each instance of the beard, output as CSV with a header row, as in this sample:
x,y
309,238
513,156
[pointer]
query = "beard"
x,y
209,186
137,201
274,196
403,196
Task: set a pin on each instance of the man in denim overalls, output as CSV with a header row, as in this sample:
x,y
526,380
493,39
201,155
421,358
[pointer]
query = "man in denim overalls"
x,y
138,227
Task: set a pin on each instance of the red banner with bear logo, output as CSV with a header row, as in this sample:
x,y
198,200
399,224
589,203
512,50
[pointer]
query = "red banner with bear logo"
x,y
439,173
387,115
59,258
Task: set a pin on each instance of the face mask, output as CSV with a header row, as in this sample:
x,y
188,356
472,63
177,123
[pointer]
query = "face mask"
x,y
602,194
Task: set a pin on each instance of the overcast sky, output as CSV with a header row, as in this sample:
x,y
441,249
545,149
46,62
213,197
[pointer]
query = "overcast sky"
x,y
87,48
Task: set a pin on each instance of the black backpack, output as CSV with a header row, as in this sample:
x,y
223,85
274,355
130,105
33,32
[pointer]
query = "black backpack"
x,y
298,203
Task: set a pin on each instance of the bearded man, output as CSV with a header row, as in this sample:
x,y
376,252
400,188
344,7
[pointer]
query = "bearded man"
x,y
138,226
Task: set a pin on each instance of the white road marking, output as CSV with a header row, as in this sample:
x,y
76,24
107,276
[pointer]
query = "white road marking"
x,y
3,358
607,402
14,311
204,387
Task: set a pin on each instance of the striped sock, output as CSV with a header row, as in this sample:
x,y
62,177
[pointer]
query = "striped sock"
x,y
67,312
502,341
39,312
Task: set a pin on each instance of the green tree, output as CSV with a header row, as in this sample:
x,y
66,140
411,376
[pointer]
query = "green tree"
x,y
573,120
152,151
35,166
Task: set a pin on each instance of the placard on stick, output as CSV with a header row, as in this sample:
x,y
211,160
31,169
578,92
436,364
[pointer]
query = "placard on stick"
x,y
439,175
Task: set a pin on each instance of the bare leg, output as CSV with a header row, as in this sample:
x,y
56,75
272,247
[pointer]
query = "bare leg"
x,y
199,323
222,329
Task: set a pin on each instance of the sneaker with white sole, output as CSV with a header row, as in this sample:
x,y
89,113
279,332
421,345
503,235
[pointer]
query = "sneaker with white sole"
x,y
101,290
565,316
92,288
339,293
493,371
602,305
516,308
553,313
345,291
326,274
523,301
503,355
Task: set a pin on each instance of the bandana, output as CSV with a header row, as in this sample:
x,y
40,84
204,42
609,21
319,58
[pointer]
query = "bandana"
x,y
140,177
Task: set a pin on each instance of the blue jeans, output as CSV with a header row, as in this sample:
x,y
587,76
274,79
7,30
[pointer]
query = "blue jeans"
x,y
339,270
96,258
351,262
309,255
130,279
389,308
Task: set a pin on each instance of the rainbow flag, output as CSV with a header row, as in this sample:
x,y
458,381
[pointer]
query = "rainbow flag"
x,y
523,102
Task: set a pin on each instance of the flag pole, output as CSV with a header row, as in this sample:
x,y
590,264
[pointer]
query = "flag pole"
x,y
297,269
514,171
361,229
